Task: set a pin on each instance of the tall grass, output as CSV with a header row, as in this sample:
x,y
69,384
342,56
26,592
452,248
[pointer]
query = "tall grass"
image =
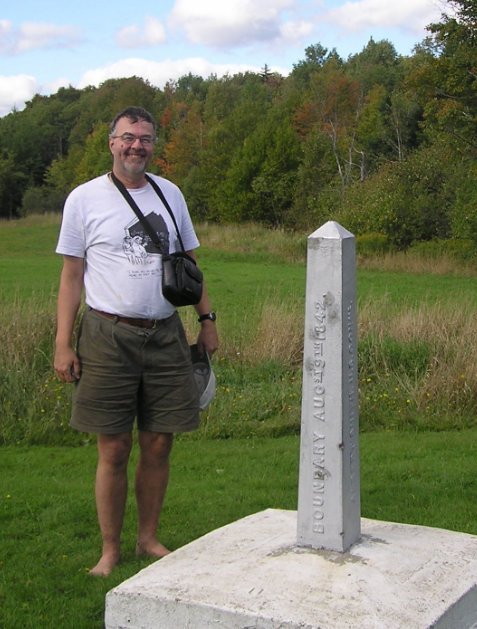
x,y
252,238
417,366
268,330
417,352
418,262
33,402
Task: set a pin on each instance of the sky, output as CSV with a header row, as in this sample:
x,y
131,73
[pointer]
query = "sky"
x,y
48,44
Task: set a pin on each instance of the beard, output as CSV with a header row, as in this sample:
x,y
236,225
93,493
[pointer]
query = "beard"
x,y
135,162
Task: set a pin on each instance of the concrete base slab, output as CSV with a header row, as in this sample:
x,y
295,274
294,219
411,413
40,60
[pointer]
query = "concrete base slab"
x,y
252,574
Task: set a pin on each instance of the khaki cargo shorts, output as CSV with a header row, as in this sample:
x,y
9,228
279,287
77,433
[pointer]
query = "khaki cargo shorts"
x,y
129,372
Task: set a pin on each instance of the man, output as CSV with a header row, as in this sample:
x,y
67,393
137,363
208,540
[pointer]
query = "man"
x,y
132,358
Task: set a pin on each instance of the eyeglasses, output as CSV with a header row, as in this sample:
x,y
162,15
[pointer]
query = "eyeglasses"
x,y
130,138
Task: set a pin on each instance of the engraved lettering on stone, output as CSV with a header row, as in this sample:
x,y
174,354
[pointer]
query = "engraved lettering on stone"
x,y
319,470
352,401
318,485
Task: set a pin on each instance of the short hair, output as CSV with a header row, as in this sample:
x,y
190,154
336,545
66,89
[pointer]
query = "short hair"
x,y
134,114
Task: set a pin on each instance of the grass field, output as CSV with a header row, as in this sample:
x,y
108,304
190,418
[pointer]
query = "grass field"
x,y
48,523
417,337
417,355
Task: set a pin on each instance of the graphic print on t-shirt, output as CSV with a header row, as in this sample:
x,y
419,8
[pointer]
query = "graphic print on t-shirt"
x,y
137,244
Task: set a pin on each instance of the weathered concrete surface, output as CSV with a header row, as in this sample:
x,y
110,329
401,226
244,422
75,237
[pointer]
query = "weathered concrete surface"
x,y
252,574
329,512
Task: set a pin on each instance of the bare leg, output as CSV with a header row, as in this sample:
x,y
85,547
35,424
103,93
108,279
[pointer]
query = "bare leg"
x,y
152,476
111,491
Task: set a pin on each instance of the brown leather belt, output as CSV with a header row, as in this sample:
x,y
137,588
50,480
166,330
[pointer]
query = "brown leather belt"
x,y
150,324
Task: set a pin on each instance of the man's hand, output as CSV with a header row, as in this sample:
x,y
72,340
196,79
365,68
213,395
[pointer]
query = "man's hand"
x,y
67,365
208,339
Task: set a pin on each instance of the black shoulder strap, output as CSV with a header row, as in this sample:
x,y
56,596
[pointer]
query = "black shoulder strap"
x,y
152,234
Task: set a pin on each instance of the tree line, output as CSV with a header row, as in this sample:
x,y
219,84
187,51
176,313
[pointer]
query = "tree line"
x,y
383,143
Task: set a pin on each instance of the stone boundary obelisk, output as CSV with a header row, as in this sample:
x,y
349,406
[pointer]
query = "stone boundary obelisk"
x,y
329,487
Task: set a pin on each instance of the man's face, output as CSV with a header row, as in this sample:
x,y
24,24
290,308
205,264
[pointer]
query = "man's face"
x,y
132,158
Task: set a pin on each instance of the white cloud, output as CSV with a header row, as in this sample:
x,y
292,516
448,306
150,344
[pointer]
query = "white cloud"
x,y
158,73
226,23
15,91
412,15
295,31
152,34
35,35
6,35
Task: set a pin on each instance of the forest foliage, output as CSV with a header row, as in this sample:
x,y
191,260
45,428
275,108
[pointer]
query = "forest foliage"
x,y
385,144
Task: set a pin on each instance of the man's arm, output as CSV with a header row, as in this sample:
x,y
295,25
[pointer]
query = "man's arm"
x,y
66,362
208,338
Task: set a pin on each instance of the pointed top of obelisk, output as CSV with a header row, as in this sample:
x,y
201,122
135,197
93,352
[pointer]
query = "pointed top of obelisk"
x,y
333,230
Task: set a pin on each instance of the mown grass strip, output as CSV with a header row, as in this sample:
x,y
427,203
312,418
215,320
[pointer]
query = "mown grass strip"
x,y
48,522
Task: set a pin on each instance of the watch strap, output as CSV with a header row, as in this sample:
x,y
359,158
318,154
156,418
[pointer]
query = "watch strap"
x,y
211,316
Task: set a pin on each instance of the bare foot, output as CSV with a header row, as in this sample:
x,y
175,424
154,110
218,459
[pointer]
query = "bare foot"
x,y
105,565
154,549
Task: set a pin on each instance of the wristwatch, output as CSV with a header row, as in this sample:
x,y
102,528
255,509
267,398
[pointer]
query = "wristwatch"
x,y
209,315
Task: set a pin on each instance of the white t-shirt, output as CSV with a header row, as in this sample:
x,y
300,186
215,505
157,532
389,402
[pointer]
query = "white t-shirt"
x,y
122,266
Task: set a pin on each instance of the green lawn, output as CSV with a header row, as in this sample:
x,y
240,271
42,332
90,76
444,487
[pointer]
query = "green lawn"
x,y
48,522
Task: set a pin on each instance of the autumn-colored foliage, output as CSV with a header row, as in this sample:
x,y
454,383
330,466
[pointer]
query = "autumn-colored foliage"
x,y
380,142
